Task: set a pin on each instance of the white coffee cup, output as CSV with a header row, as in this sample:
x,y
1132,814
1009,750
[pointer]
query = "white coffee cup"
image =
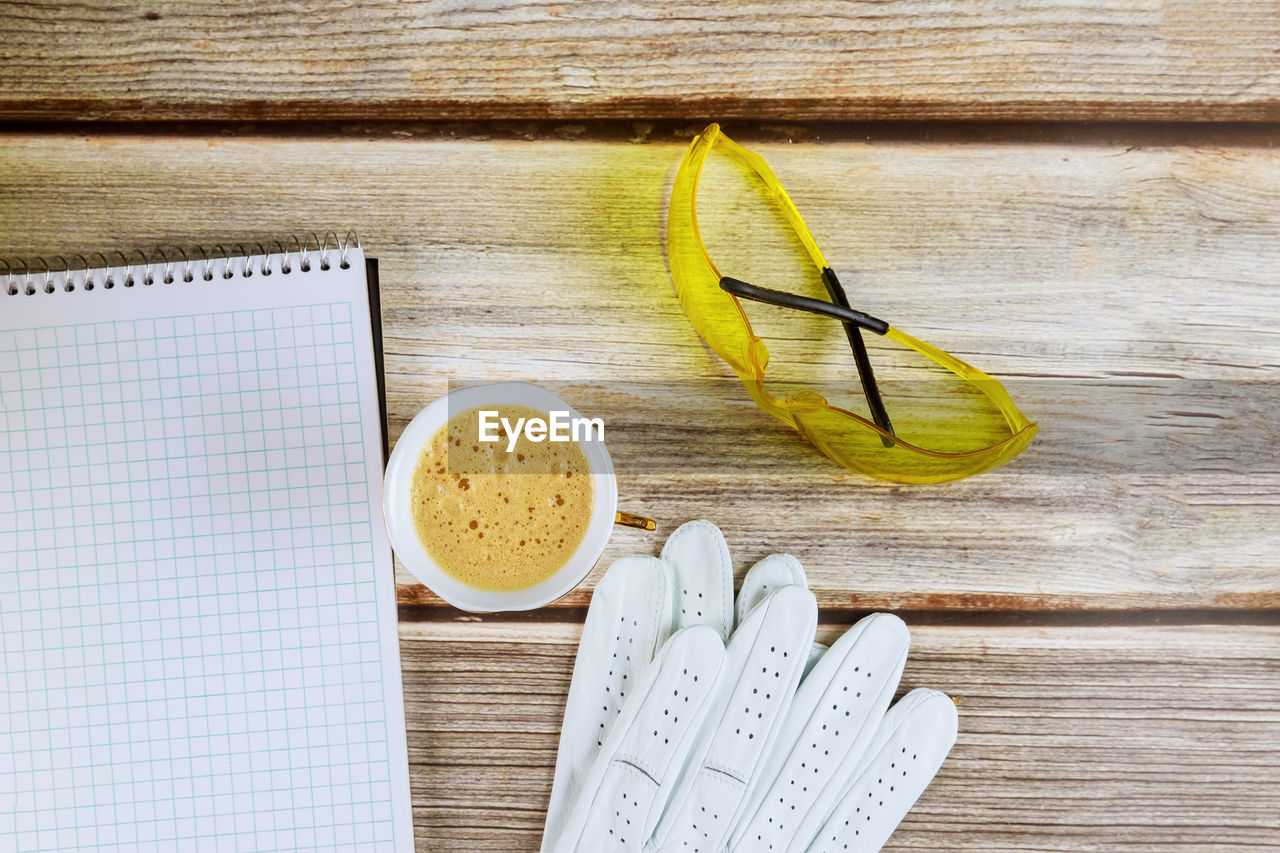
x,y
397,509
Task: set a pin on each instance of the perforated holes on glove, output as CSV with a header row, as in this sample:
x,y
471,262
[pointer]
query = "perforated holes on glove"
x,y
639,775
667,726
741,738
628,801
619,678
835,733
767,653
811,766
912,742
879,786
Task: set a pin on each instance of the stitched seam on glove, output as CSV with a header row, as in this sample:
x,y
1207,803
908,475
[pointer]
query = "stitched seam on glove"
x,y
725,772
628,764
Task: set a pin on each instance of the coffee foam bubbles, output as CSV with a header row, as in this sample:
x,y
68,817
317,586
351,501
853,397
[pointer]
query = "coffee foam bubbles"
x,y
498,520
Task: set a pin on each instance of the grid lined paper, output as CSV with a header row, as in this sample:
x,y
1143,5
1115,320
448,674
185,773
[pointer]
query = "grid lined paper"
x,y
192,653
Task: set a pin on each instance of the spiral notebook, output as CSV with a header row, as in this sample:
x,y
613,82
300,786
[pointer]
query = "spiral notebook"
x,y
198,644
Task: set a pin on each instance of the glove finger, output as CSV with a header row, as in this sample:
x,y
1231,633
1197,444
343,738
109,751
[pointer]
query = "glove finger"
x,y
773,572
639,764
628,621
907,751
830,724
763,664
703,576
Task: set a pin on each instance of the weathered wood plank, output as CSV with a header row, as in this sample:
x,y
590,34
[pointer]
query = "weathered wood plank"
x,y
1092,59
1079,739
1126,294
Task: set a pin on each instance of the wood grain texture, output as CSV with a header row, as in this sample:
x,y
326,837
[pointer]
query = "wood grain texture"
x,y
1087,59
1126,294
1071,739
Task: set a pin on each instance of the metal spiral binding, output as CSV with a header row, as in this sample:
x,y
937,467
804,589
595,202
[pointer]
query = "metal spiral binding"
x,y
157,267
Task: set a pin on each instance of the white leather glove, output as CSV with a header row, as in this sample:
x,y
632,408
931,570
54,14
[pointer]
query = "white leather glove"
x,y
631,726
844,773
638,604
763,664
904,755
709,750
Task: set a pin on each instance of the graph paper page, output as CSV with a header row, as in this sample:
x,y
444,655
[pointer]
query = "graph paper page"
x,y
198,646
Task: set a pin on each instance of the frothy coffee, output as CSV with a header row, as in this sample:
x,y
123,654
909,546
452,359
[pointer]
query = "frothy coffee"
x,y
498,520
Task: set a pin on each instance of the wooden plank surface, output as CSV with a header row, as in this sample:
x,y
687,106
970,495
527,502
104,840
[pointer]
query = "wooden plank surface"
x,y
1125,291
1120,281
1089,59
1071,739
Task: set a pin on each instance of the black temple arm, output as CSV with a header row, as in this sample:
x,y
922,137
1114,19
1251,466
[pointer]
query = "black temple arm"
x,y
854,321
803,303
869,387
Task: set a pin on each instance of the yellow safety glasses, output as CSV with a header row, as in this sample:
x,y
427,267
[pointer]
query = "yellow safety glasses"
x,y
938,420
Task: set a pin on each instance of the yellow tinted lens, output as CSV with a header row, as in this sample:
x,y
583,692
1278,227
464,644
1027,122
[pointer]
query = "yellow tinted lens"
x,y
714,313
938,403
857,446
950,420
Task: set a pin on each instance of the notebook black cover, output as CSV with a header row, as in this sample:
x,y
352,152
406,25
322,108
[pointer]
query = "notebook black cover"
x,y
375,323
